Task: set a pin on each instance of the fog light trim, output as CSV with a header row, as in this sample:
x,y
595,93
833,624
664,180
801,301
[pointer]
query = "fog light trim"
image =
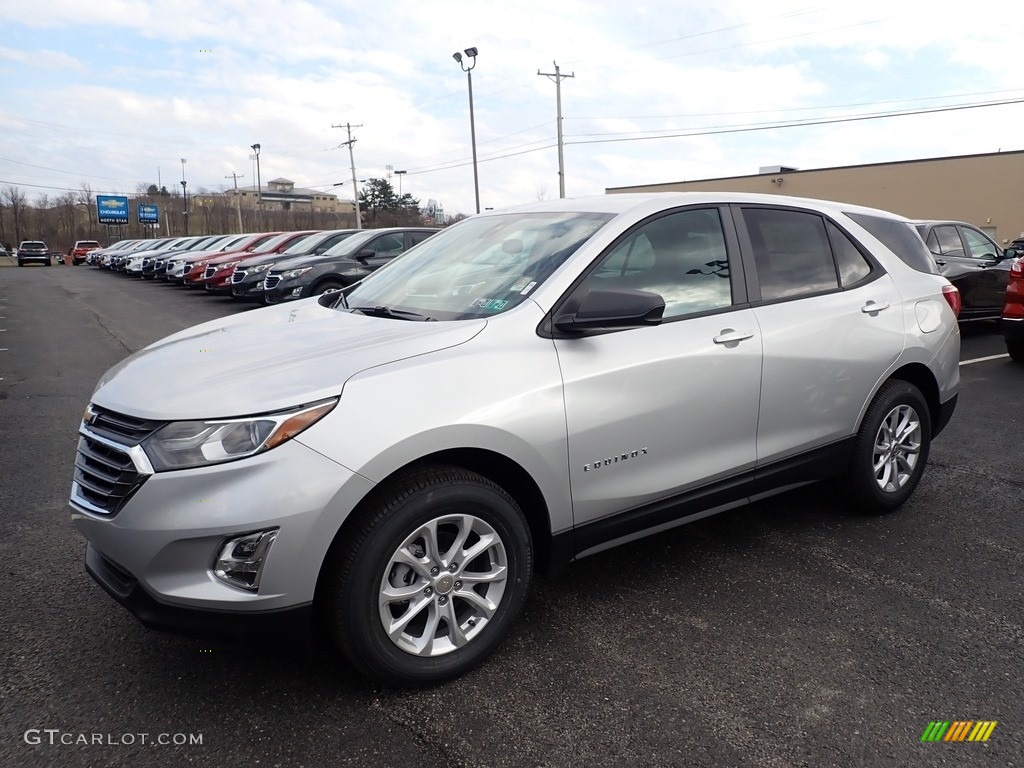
x,y
241,559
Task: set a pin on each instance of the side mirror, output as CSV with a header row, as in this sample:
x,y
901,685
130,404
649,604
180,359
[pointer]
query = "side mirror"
x,y
366,253
1011,253
612,308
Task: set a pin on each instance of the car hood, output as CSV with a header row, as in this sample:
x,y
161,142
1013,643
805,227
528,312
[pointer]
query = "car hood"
x,y
265,360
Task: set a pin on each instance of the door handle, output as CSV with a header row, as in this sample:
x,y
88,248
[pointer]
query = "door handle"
x,y
940,262
728,335
873,306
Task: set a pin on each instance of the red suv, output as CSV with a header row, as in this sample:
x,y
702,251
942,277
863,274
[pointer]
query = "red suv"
x,y
1013,308
80,250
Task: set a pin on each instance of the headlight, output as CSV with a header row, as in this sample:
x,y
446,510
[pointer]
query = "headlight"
x,y
229,265
295,272
260,268
184,444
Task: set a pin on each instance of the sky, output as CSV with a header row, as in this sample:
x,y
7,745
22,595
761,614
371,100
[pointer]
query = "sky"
x,y
114,93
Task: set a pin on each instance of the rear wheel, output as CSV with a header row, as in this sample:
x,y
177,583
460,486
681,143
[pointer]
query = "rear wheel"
x,y
431,579
891,448
1016,350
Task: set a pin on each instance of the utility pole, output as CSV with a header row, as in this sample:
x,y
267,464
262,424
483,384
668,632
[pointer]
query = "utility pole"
x,y
351,158
558,77
238,200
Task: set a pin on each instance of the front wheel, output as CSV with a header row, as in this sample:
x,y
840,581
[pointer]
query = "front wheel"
x,y
328,286
430,580
891,448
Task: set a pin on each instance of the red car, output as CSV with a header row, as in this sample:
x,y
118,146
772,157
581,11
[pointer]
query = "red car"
x,y
217,276
80,250
195,267
1013,309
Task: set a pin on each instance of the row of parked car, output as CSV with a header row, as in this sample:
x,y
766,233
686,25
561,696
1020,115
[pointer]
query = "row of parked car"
x,y
272,267
266,267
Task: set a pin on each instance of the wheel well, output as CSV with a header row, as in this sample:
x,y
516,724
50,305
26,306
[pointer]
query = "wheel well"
x,y
922,378
497,468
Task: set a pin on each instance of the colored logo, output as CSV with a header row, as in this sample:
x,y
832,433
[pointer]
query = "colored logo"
x,y
959,730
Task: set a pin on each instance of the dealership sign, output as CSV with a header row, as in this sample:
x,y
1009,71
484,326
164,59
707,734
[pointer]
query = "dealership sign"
x,y
112,209
148,214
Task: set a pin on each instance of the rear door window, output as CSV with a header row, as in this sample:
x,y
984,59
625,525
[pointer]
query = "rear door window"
x,y
791,251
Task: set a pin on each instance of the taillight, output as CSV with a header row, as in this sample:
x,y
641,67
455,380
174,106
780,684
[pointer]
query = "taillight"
x,y
1017,268
952,297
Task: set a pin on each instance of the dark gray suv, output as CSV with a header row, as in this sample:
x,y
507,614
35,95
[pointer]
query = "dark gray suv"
x,y
33,250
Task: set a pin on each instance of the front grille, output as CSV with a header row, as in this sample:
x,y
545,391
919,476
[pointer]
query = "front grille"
x,y
271,281
105,476
238,275
121,428
188,269
210,272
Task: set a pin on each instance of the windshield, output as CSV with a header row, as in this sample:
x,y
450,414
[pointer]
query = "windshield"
x,y
274,242
314,242
352,243
479,267
230,243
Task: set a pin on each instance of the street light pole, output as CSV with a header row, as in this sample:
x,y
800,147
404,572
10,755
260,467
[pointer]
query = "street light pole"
x,y
259,188
400,174
471,54
184,195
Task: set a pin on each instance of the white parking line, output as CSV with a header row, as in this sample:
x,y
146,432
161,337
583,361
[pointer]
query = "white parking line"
x,y
984,359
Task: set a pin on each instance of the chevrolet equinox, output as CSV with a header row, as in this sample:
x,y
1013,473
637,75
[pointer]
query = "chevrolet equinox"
x,y
527,387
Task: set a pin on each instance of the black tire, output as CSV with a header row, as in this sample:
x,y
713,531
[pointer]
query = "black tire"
x,y
864,486
326,287
355,574
21,263
1015,350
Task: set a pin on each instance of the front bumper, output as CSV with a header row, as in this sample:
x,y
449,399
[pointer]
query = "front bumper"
x,y
290,623
286,290
165,538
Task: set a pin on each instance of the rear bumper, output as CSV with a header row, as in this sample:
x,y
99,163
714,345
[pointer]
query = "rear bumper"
x,y
945,414
1013,329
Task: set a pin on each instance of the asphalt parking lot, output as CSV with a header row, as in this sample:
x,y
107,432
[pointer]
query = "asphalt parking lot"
x,y
787,633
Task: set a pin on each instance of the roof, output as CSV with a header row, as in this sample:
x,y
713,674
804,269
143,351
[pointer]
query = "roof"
x,y
628,201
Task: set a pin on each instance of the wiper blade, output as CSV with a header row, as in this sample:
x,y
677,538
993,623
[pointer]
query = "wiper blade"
x,y
399,314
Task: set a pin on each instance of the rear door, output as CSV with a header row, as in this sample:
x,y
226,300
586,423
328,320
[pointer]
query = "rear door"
x,y
831,322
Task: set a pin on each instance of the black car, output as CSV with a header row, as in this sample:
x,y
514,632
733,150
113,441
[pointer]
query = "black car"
x,y
33,250
247,279
971,261
348,262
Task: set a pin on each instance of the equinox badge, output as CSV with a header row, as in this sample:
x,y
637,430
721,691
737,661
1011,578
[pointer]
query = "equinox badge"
x,y
595,465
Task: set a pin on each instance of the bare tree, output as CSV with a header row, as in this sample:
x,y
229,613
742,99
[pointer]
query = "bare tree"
x,y
65,203
16,200
84,196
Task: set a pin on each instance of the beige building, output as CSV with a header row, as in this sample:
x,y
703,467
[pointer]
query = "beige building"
x,y
984,190
283,195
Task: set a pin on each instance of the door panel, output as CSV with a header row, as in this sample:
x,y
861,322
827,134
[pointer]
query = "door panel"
x,y
816,375
655,411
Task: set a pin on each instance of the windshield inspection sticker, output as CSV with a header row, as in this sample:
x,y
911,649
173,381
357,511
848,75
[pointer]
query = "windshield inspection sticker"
x,y
492,304
519,284
527,289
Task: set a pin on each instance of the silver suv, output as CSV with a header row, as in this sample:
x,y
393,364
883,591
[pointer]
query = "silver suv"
x,y
525,388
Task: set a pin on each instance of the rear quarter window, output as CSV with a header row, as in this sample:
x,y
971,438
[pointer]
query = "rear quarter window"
x,y
901,238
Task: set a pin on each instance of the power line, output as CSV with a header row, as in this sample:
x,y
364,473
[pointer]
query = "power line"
x,y
800,123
